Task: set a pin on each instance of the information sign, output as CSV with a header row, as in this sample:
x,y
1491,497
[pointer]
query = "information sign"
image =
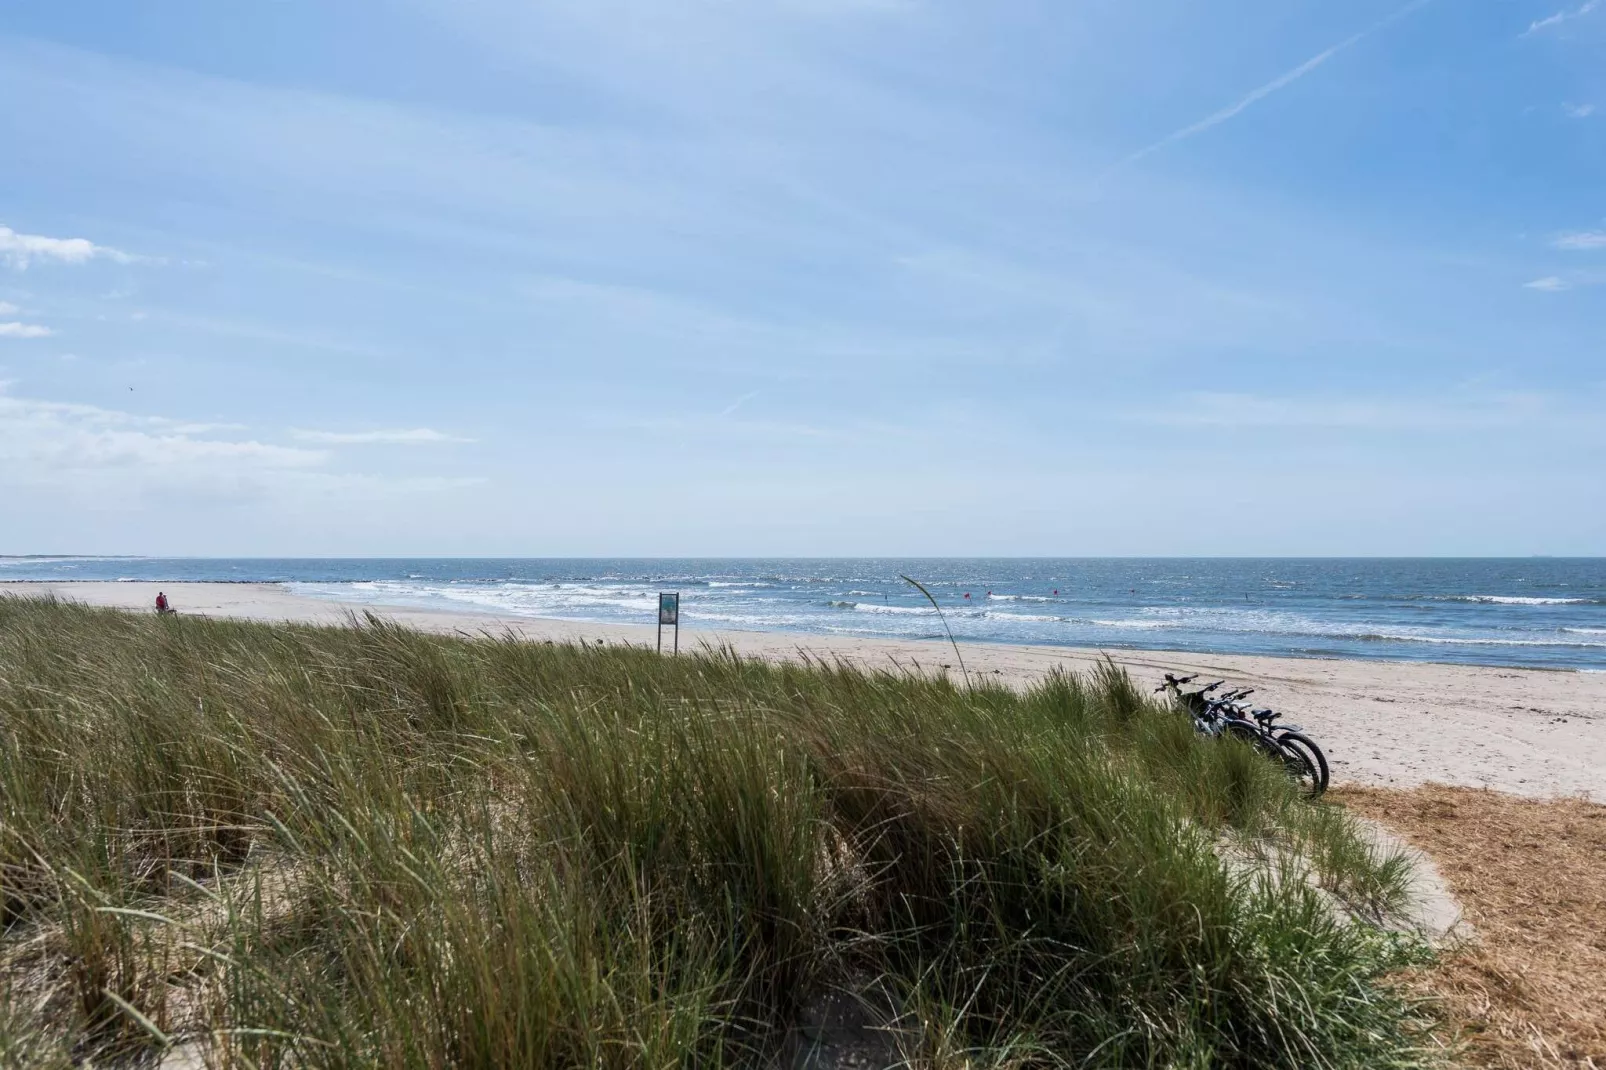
x,y
668,614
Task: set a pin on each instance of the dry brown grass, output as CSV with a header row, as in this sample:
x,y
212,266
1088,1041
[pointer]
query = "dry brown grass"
x,y
1531,877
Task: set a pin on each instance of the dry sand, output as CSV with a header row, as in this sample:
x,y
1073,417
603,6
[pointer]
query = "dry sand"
x,y
1528,731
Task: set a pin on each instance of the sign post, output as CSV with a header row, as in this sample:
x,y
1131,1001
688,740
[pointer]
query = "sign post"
x,y
669,613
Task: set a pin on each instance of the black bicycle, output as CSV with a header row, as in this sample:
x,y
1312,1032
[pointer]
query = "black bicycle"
x,y
1290,737
1227,713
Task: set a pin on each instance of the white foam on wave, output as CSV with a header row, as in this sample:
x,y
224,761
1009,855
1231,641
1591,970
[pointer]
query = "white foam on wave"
x,y
1456,640
562,601
1138,624
912,611
1035,617
634,599
1519,600
752,621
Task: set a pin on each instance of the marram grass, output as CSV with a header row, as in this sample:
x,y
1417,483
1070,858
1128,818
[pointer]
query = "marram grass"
x,y
285,846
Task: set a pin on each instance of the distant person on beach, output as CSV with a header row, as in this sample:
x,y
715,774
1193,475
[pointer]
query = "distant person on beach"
x,y
162,607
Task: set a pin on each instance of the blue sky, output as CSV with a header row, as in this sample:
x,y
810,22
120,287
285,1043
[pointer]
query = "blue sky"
x,y
708,277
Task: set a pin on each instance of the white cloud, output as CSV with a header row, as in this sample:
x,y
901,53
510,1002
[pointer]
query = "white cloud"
x,y
1550,284
1581,240
399,437
1561,16
80,417
19,250
103,451
8,309
1578,111
24,330
105,458
1280,82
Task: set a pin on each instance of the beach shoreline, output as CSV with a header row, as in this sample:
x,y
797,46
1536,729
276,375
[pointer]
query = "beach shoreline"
x,y
1536,732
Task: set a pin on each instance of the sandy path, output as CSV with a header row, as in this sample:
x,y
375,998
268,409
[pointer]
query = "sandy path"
x,y
1533,732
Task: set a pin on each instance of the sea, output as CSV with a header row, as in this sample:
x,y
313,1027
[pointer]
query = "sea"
x,y
1535,612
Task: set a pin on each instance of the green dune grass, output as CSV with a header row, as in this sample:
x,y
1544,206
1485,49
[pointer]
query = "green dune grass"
x,y
365,846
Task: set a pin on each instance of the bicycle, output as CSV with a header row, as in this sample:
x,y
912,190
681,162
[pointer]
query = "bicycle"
x,y
1298,754
1287,736
1206,718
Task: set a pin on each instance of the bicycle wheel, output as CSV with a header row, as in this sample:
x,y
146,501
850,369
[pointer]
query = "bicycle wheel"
x,y
1312,755
1251,734
1294,762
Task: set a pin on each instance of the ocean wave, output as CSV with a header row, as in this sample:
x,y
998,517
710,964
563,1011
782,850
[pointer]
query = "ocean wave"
x,y
1490,628
1519,600
562,601
1138,624
1040,618
1395,597
1456,640
912,611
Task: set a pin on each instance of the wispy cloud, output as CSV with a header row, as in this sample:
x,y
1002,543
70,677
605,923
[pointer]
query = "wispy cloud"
x,y
8,309
113,458
48,440
1282,81
1580,240
19,250
1559,17
417,436
1549,284
24,330
1578,111
739,402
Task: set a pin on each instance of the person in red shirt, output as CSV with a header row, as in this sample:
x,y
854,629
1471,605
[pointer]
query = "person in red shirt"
x,y
161,604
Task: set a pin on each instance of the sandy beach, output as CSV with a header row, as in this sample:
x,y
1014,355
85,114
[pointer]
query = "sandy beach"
x,y
1532,732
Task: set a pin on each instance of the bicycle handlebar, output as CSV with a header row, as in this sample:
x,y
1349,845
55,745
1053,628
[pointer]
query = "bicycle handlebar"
x,y
1176,682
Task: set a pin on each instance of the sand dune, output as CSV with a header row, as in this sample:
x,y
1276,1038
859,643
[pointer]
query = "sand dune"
x,y
1533,732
